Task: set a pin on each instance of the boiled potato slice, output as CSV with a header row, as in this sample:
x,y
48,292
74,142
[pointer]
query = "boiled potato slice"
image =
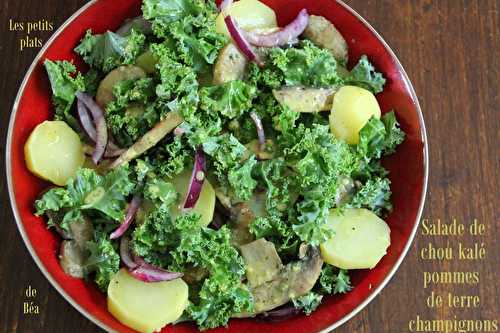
x,y
54,152
205,205
324,34
146,306
105,91
351,110
249,14
360,241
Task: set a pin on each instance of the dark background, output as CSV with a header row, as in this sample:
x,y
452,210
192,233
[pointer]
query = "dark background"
x,y
450,49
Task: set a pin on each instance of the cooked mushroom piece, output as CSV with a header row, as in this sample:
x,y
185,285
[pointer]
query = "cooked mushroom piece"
x,y
301,99
262,262
230,65
72,258
324,34
105,91
294,280
82,232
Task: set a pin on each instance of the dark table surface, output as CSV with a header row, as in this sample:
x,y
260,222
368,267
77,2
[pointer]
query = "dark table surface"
x,y
451,51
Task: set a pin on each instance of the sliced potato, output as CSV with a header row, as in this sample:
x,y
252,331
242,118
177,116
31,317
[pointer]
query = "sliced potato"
x,y
324,34
301,99
351,110
105,91
146,306
230,65
361,239
205,205
249,14
54,152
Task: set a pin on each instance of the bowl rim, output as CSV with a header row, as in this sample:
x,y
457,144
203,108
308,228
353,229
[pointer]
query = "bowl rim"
x,y
55,284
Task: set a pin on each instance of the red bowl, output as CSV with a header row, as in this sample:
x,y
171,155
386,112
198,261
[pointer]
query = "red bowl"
x,y
408,167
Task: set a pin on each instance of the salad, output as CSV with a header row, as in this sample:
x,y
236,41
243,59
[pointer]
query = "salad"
x,y
211,165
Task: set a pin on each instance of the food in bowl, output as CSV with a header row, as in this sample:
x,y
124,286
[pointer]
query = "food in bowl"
x,y
213,165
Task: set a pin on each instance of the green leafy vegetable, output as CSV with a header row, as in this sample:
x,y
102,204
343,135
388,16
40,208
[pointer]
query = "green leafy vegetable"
x,y
333,281
365,76
306,65
232,99
222,293
103,260
65,81
379,137
109,50
308,303
89,191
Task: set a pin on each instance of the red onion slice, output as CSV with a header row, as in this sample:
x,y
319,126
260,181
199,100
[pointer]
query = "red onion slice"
x,y
131,211
225,4
100,125
260,129
196,182
153,274
141,270
287,35
112,150
86,120
281,314
125,253
238,36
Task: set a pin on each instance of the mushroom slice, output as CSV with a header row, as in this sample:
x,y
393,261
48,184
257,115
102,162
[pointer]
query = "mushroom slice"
x,y
324,34
230,65
262,262
294,280
302,99
72,258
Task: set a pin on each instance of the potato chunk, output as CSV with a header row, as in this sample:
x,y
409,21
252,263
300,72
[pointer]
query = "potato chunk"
x,y
54,152
361,239
146,306
301,99
230,65
324,34
249,14
105,91
351,110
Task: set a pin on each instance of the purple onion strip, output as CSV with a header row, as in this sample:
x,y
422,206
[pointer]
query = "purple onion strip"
x,y
280,314
125,253
196,182
141,270
287,35
131,211
100,125
153,274
238,36
225,4
260,129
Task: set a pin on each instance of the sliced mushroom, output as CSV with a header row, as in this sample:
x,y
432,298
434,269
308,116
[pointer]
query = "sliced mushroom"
x,y
262,262
324,34
82,232
230,65
294,280
301,99
122,73
72,258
